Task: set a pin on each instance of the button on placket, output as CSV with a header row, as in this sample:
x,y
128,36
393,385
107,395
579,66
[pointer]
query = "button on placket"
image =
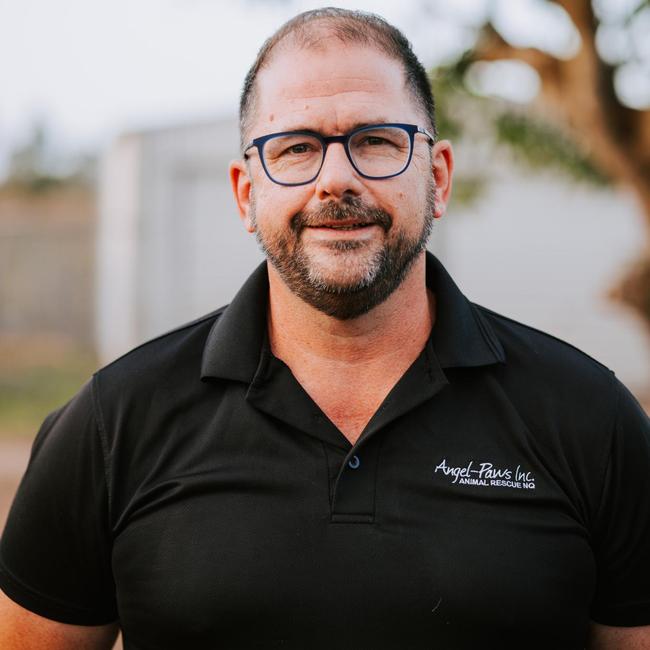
x,y
354,491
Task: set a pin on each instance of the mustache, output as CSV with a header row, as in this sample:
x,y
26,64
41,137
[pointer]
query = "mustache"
x,y
353,209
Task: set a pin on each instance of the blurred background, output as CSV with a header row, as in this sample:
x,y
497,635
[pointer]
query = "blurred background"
x,y
118,119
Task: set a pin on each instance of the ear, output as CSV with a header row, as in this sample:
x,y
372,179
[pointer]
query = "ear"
x,y
241,184
442,158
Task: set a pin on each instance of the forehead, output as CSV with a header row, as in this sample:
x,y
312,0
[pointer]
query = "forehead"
x,y
331,88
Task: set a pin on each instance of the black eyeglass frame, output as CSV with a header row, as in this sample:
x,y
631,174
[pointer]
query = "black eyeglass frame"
x,y
344,139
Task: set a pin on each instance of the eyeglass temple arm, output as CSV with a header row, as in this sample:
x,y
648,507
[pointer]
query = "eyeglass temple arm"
x,y
250,145
425,132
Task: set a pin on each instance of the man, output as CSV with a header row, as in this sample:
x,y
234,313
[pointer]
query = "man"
x,y
351,454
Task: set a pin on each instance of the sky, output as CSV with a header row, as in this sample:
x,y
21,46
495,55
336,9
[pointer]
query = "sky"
x,y
91,69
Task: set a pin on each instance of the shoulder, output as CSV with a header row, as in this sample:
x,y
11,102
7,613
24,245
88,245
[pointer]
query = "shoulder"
x,y
573,408
567,398
171,358
542,358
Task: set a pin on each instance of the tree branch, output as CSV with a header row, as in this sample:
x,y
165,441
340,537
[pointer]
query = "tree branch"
x,y
493,47
579,93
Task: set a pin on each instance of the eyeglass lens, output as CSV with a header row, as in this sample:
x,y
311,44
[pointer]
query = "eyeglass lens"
x,y
376,152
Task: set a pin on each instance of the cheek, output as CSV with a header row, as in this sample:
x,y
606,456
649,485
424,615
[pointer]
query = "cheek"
x,y
276,205
407,200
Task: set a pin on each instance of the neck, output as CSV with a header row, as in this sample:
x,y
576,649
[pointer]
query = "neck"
x,y
398,326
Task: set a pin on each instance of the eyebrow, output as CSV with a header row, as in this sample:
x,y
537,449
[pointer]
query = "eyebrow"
x,y
356,125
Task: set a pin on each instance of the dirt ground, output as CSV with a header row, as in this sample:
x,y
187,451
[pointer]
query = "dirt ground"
x,y
13,460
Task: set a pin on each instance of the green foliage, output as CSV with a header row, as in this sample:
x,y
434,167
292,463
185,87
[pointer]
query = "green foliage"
x,y
467,189
463,116
35,169
36,184
450,93
542,145
28,394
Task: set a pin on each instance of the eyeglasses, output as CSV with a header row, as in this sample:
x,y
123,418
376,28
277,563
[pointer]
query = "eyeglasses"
x,y
377,152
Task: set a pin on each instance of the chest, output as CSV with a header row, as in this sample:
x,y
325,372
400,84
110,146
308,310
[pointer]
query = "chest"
x,y
349,408
350,400
432,524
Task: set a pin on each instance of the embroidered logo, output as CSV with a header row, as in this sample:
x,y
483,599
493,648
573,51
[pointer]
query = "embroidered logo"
x,y
487,475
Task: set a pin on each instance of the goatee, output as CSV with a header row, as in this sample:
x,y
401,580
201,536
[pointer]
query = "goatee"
x,y
380,276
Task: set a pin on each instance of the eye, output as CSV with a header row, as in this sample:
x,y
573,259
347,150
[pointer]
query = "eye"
x,y
299,148
374,140
385,141
292,148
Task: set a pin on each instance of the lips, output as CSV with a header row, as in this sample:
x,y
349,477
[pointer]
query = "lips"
x,y
350,214
343,225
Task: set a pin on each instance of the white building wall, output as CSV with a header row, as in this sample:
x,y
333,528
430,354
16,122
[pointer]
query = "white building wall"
x,y
544,251
171,246
117,248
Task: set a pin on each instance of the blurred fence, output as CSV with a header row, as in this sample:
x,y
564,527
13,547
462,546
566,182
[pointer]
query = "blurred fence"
x,y
47,264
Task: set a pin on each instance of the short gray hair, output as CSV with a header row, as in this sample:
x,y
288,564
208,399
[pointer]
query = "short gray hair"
x,y
349,27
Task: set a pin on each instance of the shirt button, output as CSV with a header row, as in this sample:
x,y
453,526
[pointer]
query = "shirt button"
x,y
354,463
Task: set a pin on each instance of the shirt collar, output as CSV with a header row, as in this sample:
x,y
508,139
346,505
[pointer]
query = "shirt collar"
x,y
461,336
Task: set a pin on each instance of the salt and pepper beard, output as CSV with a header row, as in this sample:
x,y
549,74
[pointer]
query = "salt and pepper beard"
x,y
383,274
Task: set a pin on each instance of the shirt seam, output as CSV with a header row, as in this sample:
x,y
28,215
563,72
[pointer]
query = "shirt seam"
x,y
98,416
606,458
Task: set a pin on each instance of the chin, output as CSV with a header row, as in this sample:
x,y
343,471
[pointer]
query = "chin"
x,y
343,271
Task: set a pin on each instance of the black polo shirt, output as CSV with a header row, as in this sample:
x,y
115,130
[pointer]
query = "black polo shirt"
x,y
499,497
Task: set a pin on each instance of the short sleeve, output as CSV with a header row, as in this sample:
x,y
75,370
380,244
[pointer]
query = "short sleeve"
x,y
55,549
622,532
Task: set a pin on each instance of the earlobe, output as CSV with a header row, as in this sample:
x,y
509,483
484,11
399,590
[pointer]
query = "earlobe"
x,y
240,182
439,208
439,204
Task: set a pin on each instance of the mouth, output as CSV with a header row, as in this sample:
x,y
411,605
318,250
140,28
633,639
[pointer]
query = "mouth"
x,y
349,230
343,225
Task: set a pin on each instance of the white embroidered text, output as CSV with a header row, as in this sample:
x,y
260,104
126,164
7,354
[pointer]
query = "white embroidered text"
x,y
488,475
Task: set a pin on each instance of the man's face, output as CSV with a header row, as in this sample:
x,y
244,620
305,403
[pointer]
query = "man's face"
x,y
343,243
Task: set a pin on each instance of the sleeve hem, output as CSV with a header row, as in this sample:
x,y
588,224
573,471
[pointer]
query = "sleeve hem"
x,y
632,615
48,607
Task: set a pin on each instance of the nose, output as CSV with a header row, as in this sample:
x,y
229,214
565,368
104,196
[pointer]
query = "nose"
x,y
337,177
